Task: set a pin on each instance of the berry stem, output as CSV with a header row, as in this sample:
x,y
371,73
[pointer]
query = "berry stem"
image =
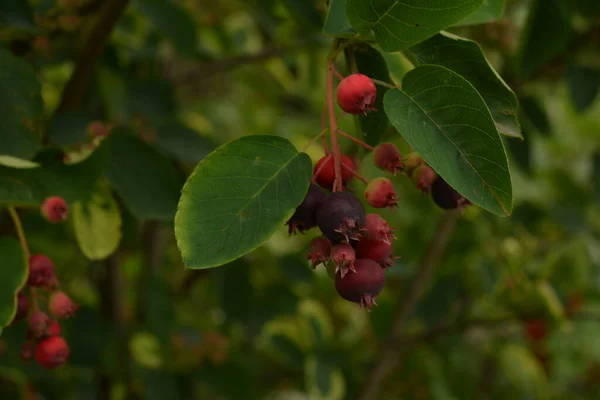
x,y
356,174
385,84
335,71
355,140
337,157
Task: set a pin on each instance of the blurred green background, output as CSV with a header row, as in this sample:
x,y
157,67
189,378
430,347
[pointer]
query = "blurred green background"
x,y
182,77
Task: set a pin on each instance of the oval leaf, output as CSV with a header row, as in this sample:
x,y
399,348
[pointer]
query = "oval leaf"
x,y
491,11
97,224
13,275
336,22
442,117
20,107
398,25
237,197
466,59
324,380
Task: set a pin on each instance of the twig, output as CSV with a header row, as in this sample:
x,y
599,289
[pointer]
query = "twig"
x,y
388,355
355,140
74,91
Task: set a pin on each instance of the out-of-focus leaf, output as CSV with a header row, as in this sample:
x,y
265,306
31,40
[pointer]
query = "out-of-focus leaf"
x,y
20,106
236,290
336,22
524,375
304,11
536,114
13,276
583,84
17,14
318,320
14,162
324,381
491,11
150,99
69,128
160,310
146,350
182,142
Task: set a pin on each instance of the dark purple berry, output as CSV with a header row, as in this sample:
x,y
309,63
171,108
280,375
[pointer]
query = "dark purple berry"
x,y
341,217
305,216
362,286
445,196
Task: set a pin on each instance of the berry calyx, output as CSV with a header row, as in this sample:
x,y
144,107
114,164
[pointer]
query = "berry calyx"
x,y
536,329
22,307
319,251
388,158
377,228
445,196
356,94
38,323
423,178
52,352
305,216
61,305
380,193
376,250
341,217
343,257
324,171
362,286
55,209
41,272
412,161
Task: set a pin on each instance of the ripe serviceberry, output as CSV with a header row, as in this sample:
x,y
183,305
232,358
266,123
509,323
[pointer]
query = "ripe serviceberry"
x,y
22,307
388,158
412,161
380,193
38,324
319,251
356,94
445,196
377,228
536,329
341,217
52,352
423,178
53,328
55,209
324,171
376,250
305,216
343,257
41,271
362,286
61,305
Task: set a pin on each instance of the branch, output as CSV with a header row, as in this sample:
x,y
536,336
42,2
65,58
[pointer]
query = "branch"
x,y
389,352
74,91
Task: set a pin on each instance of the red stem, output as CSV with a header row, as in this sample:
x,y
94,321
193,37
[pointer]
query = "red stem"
x,y
335,71
337,157
355,140
356,174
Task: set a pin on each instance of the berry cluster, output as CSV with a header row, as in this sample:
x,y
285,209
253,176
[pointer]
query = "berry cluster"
x,y
43,340
358,246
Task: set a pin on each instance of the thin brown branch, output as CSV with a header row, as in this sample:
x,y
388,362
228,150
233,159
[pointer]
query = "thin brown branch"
x,y
389,352
74,91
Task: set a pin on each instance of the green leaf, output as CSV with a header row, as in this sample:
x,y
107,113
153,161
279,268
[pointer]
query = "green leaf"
x,y
97,224
69,128
17,14
524,375
324,381
14,162
398,25
492,10
548,32
583,84
147,181
20,107
371,63
336,22
13,276
172,21
466,58
30,186
151,99
237,197
444,119
305,12
183,143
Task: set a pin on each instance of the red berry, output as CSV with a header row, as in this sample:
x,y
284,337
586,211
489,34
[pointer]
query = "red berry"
x,y
52,352
38,324
423,178
445,196
380,193
305,216
377,228
27,351
61,305
55,209
343,257
536,329
341,217
356,94
54,328
319,251
362,286
324,171
388,158
41,271
22,307
412,161
376,250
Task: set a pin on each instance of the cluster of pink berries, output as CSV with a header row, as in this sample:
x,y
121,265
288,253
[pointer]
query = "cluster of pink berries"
x,y
44,341
358,246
